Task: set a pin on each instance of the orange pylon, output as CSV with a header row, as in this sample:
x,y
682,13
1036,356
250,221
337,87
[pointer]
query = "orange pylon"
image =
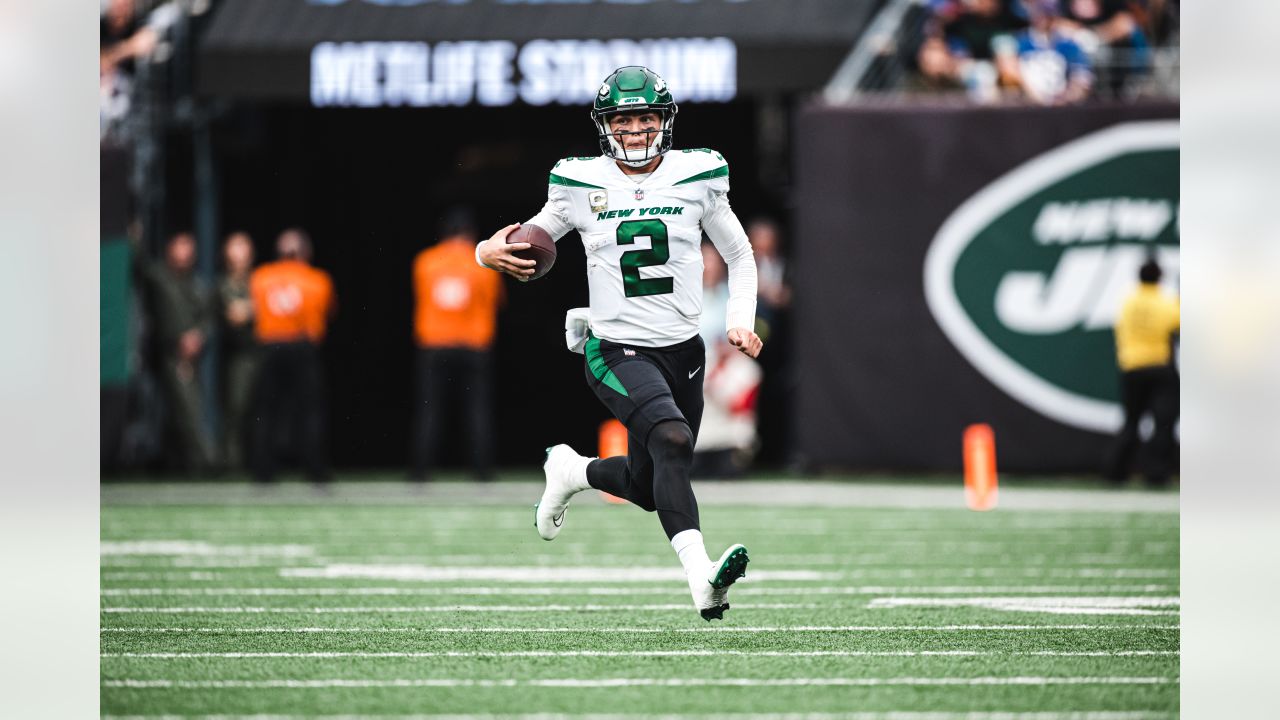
x,y
613,442
981,485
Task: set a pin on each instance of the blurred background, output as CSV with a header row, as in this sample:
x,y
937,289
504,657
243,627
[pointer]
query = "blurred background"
x,y
949,200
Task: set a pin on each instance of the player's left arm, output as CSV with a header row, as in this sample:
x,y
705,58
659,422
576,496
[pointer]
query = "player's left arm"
x,y
725,231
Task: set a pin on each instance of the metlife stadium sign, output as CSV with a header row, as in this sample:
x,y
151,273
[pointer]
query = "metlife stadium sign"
x,y
501,72
478,53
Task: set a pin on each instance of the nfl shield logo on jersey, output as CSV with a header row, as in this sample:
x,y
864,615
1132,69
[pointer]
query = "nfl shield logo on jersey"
x,y
639,194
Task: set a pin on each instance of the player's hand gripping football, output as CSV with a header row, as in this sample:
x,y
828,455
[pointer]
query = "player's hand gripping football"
x,y
497,254
747,342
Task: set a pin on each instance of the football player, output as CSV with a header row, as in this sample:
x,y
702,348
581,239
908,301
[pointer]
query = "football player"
x,y
641,209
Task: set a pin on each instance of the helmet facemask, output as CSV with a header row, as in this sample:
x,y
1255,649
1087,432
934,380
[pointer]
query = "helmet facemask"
x,y
633,89
635,157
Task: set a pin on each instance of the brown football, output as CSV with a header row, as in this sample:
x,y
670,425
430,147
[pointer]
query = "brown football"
x,y
543,250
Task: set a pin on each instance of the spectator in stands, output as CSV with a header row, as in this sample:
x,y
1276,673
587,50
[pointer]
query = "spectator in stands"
x,y
1109,32
183,317
124,38
1043,61
239,349
727,439
773,294
292,305
456,308
1145,330
958,46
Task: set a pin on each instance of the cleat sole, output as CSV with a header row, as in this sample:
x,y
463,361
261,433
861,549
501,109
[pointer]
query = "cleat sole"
x,y
713,613
733,566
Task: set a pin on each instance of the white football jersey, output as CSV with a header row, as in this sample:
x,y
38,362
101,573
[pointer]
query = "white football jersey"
x,y
642,240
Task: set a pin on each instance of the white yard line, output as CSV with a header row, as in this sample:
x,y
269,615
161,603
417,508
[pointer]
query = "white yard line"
x,y
632,682
625,591
199,548
900,573
371,609
639,653
1062,605
646,630
525,573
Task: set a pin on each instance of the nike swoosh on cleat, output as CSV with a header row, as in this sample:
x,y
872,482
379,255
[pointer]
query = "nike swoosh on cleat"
x,y
558,520
695,372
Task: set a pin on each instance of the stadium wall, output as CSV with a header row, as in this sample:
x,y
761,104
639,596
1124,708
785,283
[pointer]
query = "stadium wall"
x,y
959,265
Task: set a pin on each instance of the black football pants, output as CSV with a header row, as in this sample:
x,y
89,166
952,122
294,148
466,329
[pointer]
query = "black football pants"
x,y
657,394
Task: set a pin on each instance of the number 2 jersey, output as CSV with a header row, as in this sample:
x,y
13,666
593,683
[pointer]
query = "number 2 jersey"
x,y
643,242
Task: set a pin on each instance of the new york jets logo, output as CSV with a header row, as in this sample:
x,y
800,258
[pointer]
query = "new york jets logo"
x,y
604,90
1026,277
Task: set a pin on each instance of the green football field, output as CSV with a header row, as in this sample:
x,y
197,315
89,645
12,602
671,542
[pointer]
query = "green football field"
x,y
873,603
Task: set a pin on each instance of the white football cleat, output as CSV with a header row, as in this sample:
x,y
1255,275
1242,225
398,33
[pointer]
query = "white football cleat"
x,y
711,591
566,473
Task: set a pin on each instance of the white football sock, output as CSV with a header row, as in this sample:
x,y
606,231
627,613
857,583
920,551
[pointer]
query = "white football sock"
x,y
578,474
693,554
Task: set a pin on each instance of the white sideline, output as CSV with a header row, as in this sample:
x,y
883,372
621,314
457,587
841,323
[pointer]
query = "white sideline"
x,y
887,715
646,630
632,682
641,653
627,591
368,610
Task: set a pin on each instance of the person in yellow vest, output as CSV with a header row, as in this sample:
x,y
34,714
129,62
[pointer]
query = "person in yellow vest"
x,y
456,307
292,305
1145,332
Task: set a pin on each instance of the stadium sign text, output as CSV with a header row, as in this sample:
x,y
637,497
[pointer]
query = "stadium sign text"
x,y
498,72
1026,277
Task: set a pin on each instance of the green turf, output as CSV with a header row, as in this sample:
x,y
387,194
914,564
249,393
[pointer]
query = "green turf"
x,y
255,567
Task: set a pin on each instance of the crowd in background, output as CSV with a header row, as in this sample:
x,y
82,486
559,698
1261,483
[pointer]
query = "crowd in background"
x,y
1048,52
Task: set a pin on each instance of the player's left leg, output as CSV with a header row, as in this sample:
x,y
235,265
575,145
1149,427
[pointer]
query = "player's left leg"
x,y
709,581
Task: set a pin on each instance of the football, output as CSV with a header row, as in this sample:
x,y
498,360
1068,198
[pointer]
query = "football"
x,y
543,250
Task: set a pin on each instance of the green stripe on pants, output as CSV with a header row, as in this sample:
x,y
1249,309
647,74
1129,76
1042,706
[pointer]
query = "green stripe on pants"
x,y
595,361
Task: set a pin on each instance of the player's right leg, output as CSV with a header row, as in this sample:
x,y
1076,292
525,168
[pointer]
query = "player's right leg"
x,y
566,473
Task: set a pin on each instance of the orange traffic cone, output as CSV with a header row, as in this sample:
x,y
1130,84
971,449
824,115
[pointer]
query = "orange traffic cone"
x,y
613,443
981,485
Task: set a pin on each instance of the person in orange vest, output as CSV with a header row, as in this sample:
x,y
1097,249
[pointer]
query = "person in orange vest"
x,y
1145,330
292,305
455,314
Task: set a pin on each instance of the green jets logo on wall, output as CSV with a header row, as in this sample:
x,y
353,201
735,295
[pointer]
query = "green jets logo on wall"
x,y
1027,276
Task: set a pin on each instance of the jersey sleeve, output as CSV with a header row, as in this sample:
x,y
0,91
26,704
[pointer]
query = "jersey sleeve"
x,y
555,216
725,231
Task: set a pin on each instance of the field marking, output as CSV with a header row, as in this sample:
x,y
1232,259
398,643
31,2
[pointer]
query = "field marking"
x,y
199,548
632,682
887,715
639,653
858,573
1092,605
371,609
507,574
646,630
624,591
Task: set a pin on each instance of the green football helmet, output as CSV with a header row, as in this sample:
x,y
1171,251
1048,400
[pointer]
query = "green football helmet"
x,y
632,89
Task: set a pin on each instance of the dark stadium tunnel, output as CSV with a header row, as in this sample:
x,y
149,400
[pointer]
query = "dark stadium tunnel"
x,y
369,185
